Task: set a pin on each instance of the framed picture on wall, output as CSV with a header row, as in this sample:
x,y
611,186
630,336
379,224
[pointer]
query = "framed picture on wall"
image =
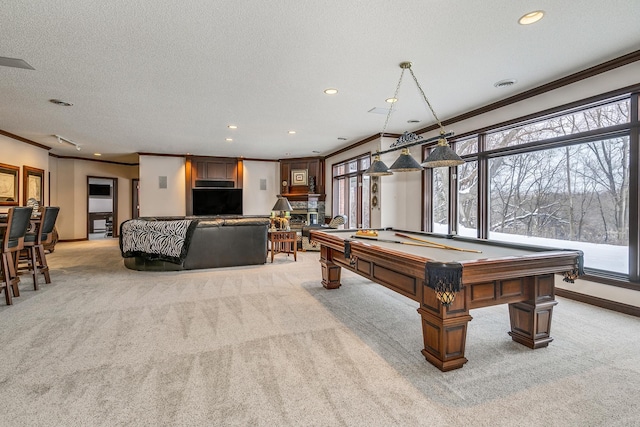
x,y
299,177
33,185
9,185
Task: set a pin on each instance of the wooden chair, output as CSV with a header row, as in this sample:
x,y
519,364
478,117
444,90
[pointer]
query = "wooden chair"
x,y
36,261
12,243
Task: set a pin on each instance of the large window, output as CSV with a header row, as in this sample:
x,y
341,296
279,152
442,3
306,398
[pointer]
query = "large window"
x,y
467,179
561,180
351,191
440,199
575,196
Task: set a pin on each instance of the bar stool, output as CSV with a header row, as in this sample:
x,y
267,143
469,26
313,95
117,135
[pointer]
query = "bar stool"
x,y
12,242
34,244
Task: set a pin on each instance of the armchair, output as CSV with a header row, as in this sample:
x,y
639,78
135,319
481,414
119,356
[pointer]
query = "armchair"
x,y
335,222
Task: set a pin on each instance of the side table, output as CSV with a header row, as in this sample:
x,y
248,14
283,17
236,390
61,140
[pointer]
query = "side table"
x,y
283,242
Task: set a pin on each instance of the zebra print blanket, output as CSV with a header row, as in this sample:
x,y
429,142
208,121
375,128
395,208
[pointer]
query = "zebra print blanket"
x,y
157,240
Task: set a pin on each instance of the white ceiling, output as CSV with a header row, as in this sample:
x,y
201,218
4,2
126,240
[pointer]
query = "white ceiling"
x,y
168,76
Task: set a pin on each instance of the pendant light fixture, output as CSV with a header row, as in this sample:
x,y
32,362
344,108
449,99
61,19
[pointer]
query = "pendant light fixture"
x,y
441,155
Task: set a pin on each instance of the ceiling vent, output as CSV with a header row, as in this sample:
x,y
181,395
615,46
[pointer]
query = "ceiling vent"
x,y
505,83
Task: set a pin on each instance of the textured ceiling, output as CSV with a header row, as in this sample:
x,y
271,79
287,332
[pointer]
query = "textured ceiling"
x,y
168,77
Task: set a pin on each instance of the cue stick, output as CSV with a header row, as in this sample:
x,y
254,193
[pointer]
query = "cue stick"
x,y
424,245
440,245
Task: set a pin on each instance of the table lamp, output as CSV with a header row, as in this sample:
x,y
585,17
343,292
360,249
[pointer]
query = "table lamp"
x,y
283,206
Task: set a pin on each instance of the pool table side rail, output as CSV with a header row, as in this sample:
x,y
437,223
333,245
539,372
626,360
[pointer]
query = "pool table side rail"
x,y
544,261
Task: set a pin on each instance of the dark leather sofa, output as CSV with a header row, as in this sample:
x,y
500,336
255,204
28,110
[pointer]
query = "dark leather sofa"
x,y
215,242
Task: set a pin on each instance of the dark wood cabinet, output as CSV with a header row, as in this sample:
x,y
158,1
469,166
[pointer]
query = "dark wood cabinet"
x,y
216,170
315,171
211,172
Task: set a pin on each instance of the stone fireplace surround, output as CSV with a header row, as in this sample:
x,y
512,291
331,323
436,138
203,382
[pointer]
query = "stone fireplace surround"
x,y
300,213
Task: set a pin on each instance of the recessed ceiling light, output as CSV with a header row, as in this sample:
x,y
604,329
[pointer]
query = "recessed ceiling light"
x,y
505,83
342,138
413,121
315,152
229,139
60,102
291,132
331,91
232,127
391,100
531,17
97,154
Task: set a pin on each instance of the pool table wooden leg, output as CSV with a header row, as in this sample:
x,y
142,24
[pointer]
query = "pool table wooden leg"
x,y
531,320
444,330
531,323
330,270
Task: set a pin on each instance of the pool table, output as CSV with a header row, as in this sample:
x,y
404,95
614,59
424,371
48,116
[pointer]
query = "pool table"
x,y
491,273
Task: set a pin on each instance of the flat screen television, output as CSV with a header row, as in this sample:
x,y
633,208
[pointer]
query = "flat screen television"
x,y
101,190
219,201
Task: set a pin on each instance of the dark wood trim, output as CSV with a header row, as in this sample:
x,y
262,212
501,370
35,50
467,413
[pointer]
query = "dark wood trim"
x,y
362,142
92,160
74,240
483,192
599,302
25,140
249,159
28,171
15,171
161,154
188,183
135,198
295,159
452,209
634,188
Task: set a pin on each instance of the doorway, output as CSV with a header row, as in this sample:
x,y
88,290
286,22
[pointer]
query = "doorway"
x,y
102,207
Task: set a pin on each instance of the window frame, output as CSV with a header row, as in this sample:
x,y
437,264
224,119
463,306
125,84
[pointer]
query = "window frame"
x,y
358,173
630,130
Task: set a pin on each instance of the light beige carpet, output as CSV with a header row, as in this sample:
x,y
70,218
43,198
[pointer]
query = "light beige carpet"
x,y
268,346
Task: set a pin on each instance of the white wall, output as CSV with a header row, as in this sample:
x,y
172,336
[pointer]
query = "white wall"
x,y
254,200
399,205
155,201
171,201
612,80
17,153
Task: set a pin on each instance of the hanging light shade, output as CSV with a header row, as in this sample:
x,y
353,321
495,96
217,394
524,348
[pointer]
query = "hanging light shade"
x,y
405,163
442,156
377,168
